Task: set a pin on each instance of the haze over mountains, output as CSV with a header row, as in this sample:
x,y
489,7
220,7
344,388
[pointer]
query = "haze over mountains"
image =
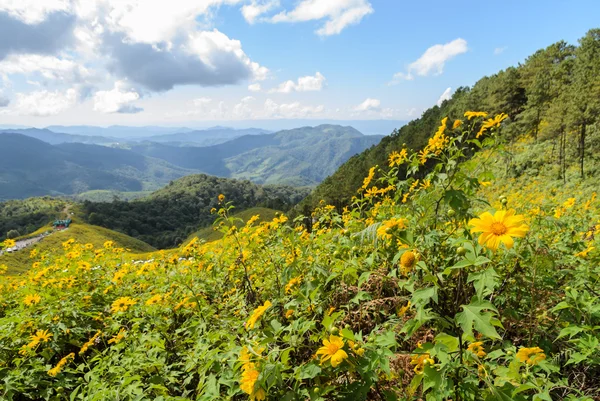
x,y
38,162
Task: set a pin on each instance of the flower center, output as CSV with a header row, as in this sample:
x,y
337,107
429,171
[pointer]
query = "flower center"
x,y
333,348
498,228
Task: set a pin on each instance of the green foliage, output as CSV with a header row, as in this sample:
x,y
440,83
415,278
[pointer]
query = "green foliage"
x,y
554,96
26,216
172,214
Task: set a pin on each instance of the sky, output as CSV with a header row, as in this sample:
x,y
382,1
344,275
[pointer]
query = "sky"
x,y
180,62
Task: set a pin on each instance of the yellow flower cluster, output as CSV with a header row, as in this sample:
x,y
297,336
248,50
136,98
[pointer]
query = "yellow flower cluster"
x,y
250,376
59,366
477,349
32,299
436,143
531,356
368,178
420,360
491,123
398,158
89,343
257,314
387,227
499,228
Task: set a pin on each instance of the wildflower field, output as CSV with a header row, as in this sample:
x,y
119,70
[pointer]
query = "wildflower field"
x,y
449,280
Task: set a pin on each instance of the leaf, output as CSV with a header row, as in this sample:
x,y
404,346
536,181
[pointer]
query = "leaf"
x,y
309,371
449,341
484,281
569,331
473,315
422,296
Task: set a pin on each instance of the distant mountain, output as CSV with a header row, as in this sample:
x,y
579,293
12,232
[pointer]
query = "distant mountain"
x,y
30,167
55,138
302,156
117,131
207,137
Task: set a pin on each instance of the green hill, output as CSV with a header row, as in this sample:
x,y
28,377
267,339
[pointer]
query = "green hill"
x,y
27,215
19,261
554,95
210,234
168,216
30,167
302,156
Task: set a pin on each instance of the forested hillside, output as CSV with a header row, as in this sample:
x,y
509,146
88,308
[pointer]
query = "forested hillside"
x,y
168,216
302,156
554,95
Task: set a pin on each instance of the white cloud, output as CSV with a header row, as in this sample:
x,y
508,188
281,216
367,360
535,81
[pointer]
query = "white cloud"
x,y
45,103
33,11
445,96
499,50
290,110
432,61
202,101
257,8
338,14
49,67
254,87
243,109
412,112
118,100
369,105
304,84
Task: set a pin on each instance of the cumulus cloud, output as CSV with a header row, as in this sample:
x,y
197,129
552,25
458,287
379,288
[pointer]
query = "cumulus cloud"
x,y
254,87
25,34
290,110
369,105
118,100
304,84
412,112
49,67
432,62
243,109
338,14
207,58
445,96
257,8
45,103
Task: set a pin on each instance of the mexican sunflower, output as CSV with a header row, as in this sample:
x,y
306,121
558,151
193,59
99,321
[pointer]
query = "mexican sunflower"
x,y
498,228
332,350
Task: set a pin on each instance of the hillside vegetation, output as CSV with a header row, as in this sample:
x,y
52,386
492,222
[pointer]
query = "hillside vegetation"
x,y
168,216
553,96
433,287
30,167
22,217
20,261
300,157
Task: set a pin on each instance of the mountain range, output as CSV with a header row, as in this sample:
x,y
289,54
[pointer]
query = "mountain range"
x,y
36,162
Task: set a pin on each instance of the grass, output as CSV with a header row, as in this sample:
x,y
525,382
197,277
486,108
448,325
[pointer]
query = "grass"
x,y
19,261
209,234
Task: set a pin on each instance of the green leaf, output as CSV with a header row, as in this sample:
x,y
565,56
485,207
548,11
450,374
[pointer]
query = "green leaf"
x,y
484,281
449,341
309,371
422,296
473,316
569,331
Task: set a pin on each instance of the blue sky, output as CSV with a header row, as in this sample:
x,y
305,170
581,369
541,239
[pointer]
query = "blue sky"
x,y
130,62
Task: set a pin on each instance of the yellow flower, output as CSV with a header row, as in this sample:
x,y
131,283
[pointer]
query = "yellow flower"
x,y
289,313
407,261
9,243
108,244
293,282
332,351
397,158
531,356
33,253
404,309
122,304
569,203
490,123
89,247
153,300
258,312
368,178
41,336
221,197
118,337
58,368
472,114
457,123
420,360
477,349
499,228
89,343
387,227
585,252
32,299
